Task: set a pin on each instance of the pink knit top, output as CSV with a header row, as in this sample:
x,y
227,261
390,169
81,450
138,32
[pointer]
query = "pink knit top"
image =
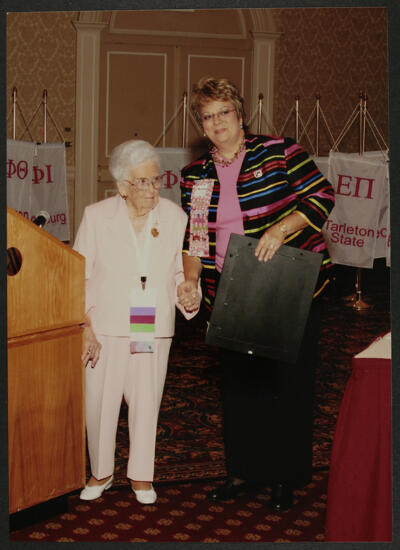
x,y
229,214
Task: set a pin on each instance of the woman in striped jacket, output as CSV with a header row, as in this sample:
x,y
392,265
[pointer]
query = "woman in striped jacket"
x,y
265,187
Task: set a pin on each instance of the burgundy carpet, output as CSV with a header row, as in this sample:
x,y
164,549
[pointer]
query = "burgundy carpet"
x,y
190,452
183,514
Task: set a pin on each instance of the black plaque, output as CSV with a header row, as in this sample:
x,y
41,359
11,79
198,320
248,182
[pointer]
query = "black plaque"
x,y
261,308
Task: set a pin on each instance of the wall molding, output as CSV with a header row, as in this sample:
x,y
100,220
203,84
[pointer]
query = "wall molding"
x,y
137,53
263,73
242,35
87,105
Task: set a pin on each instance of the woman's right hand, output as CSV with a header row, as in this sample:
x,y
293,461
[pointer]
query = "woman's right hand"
x,y
188,295
91,347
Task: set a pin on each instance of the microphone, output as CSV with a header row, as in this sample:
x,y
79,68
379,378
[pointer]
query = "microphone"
x,y
42,218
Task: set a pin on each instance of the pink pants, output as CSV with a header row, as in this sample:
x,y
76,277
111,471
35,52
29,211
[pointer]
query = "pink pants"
x,y
139,378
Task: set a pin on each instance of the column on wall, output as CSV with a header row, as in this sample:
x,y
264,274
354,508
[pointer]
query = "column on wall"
x,y
87,105
263,74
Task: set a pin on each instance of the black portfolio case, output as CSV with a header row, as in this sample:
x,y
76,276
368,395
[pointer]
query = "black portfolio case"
x,y
261,308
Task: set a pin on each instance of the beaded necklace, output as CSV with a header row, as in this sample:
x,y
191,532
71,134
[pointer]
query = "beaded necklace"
x,y
218,159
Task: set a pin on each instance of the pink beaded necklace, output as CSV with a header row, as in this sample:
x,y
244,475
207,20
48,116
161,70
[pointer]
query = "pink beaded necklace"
x,y
221,161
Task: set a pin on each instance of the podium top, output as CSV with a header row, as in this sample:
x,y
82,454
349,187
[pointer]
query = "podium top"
x,y
48,291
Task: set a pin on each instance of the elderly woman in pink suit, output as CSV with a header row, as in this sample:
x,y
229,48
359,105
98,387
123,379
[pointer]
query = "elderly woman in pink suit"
x,y
132,243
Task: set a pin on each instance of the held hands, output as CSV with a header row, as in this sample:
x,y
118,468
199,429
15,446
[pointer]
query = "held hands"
x,y
188,295
269,243
91,347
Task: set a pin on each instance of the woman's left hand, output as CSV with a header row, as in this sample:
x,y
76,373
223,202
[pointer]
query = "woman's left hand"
x,y
269,243
188,296
91,347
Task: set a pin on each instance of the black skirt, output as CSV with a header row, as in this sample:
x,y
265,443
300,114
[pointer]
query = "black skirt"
x,y
268,412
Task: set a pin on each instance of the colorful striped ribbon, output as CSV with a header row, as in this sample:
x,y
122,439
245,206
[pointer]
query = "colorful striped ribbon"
x,y
142,328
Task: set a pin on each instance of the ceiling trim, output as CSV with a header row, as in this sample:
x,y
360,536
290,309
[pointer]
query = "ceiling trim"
x,y
242,35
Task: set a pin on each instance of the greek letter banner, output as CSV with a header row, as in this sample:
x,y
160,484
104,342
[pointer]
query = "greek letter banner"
x,y
356,224
50,188
323,165
36,180
173,159
20,155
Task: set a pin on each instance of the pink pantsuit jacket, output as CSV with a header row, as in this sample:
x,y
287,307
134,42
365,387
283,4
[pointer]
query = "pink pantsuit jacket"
x,y
104,238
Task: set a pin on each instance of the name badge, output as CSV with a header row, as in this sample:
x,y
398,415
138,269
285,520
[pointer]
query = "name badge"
x,y
142,320
200,202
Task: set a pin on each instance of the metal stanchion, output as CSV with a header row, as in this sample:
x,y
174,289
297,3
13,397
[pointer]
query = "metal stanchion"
x,y
297,117
44,116
184,120
14,105
260,107
317,108
358,302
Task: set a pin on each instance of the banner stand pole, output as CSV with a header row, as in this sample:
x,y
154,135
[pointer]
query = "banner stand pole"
x,y
260,107
356,301
184,122
297,117
186,116
359,304
316,113
14,105
44,116
317,97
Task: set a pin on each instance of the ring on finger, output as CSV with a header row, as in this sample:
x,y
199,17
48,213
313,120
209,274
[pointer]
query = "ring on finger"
x,y
271,246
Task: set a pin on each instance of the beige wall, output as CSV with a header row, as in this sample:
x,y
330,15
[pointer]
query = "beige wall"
x,y
334,51
41,55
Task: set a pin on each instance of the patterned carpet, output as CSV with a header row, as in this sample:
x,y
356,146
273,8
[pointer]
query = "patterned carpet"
x,y
189,440
190,450
183,514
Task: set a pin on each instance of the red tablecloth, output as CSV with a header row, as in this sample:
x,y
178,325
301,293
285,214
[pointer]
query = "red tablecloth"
x,y
359,507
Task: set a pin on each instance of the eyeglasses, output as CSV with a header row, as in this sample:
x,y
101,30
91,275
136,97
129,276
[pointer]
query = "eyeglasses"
x,y
223,114
144,183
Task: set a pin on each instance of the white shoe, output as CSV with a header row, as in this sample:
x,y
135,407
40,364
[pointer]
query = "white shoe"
x,y
145,496
95,491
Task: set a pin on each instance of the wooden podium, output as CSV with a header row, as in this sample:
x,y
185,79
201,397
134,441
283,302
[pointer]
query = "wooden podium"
x,y
46,424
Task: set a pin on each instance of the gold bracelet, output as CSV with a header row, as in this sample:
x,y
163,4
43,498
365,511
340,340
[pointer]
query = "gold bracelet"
x,y
283,227
186,252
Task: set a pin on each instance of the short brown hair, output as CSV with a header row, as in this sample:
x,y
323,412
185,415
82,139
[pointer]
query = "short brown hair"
x,y
211,89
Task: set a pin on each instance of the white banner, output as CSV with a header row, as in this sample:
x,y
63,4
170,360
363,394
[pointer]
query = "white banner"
x,y
173,159
323,165
354,228
50,188
36,180
382,246
20,155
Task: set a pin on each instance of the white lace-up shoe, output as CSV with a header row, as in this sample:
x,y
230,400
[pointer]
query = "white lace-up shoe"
x,y
95,491
148,496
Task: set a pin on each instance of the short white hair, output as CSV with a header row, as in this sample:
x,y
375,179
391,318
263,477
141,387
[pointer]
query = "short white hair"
x,y
128,155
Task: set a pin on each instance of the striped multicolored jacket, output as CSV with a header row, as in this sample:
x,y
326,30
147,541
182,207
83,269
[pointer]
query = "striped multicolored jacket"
x,y
277,177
